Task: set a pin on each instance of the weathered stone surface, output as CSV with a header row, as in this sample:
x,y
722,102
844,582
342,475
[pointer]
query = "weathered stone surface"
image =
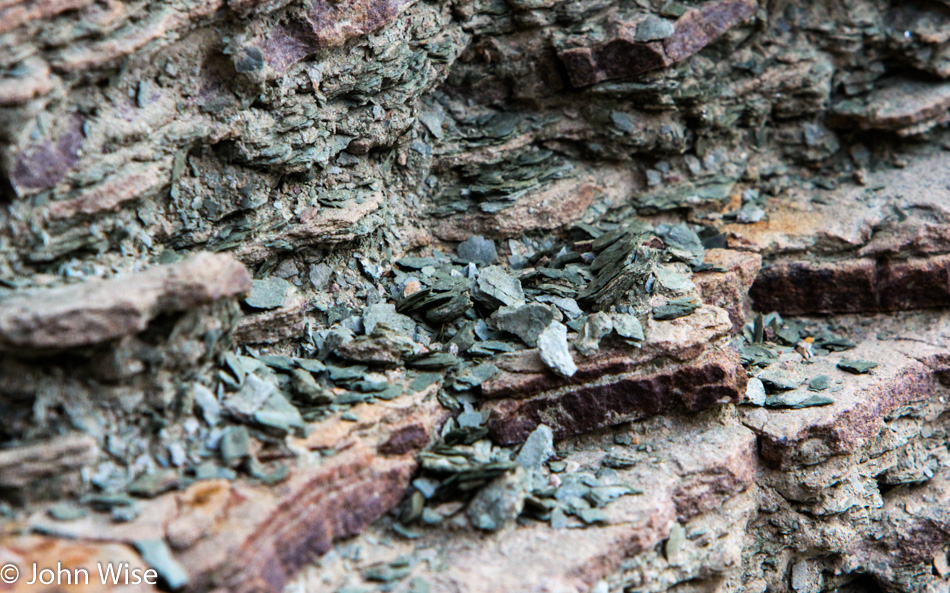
x,y
907,107
699,471
325,24
727,284
99,310
247,536
858,259
624,54
678,340
712,379
856,285
907,373
347,149
23,468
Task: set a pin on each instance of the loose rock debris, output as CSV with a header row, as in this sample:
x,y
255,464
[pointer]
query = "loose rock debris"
x,y
419,296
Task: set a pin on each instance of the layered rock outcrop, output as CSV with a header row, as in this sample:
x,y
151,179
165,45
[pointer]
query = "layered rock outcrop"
x,y
471,296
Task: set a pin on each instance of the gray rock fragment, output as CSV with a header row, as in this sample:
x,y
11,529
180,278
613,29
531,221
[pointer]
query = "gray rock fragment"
x,y
279,414
537,448
755,392
269,293
654,28
260,402
856,367
750,214
208,404
552,345
500,502
676,308
526,322
477,250
320,276
673,280
628,327
777,378
495,288
155,553
806,577
234,446
153,483
567,305
596,328
247,400
386,313
674,543
799,398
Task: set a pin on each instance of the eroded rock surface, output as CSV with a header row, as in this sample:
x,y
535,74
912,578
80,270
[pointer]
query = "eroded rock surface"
x,y
476,296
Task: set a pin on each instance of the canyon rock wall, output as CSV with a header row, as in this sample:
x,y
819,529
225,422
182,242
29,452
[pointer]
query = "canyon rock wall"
x,y
477,295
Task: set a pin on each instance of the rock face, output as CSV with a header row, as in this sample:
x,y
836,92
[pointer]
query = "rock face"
x,y
472,296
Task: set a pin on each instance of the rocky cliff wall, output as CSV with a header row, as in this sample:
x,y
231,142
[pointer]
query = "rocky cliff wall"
x,y
512,295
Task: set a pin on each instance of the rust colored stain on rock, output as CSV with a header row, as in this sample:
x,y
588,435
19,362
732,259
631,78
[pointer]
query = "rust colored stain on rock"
x,y
714,378
405,439
338,502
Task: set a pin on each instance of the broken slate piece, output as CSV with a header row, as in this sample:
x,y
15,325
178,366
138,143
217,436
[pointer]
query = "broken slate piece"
x,y
589,516
797,399
672,280
477,250
684,244
537,449
470,418
500,502
526,322
776,378
247,400
552,345
67,511
269,293
597,326
278,413
208,403
320,276
495,288
856,366
386,313
234,446
628,327
819,383
473,376
151,484
755,392
155,553
618,460
654,28
567,305
305,386
675,308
